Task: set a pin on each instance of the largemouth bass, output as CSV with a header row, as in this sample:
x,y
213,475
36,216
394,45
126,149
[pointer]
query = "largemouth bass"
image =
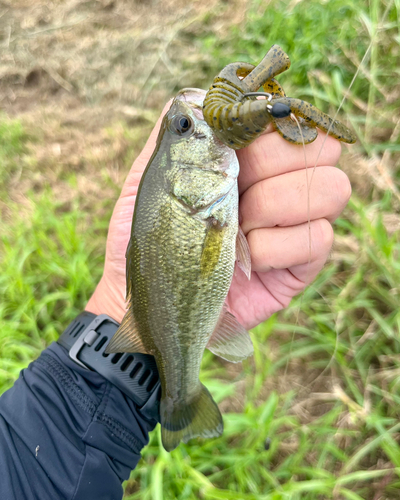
x,y
180,261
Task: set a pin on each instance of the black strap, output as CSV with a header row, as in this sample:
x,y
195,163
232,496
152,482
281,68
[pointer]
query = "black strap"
x,y
135,374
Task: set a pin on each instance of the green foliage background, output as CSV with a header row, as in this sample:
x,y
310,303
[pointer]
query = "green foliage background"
x,y
315,414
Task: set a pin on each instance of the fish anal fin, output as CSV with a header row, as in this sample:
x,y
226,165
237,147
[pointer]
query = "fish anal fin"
x,y
182,421
126,338
243,256
230,340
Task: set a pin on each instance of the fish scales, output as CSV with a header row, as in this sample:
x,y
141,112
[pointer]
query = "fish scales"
x,y
182,302
180,264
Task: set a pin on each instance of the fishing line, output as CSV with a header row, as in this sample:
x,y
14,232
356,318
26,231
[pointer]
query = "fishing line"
x,y
293,117
351,85
340,106
308,187
308,184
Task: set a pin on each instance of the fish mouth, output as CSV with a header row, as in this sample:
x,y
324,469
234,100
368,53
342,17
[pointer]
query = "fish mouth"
x,y
194,98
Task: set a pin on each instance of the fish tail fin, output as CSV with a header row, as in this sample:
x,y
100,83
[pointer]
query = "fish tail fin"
x,y
181,422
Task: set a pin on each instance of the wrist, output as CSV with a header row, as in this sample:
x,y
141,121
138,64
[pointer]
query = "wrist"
x,y
105,300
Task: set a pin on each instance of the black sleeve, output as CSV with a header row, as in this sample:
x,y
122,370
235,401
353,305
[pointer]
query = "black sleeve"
x,y
67,433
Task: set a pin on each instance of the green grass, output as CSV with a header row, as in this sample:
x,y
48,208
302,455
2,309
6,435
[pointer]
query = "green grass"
x,y
12,147
51,262
323,387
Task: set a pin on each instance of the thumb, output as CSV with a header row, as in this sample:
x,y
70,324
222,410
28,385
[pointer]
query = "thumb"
x,y
132,181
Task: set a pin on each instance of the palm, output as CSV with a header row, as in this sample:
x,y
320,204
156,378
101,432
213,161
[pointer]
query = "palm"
x,y
254,301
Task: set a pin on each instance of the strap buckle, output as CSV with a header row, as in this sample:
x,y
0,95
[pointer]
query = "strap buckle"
x,y
88,337
135,374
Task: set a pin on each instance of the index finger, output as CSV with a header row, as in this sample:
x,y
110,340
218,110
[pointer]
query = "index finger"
x,y
271,155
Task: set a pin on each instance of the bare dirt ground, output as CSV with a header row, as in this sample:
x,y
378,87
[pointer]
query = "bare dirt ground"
x,y
88,79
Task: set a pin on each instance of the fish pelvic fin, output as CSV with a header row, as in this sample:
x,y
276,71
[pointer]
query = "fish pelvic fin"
x,y
230,340
126,338
183,421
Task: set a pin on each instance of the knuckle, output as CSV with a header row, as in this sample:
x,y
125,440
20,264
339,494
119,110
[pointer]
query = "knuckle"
x,y
266,199
336,149
260,253
323,235
340,187
343,187
257,204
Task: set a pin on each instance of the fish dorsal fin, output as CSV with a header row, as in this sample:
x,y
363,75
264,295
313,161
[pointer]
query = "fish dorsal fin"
x,y
230,340
243,253
126,338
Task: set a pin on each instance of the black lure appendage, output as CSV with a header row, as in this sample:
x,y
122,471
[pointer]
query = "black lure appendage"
x,y
280,110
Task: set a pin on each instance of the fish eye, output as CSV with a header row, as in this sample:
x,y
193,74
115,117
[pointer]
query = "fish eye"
x,y
181,125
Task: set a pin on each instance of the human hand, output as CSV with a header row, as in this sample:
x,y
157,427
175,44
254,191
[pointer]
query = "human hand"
x,y
273,216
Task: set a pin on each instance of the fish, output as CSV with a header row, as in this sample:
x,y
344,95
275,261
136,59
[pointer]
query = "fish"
x,y
185,242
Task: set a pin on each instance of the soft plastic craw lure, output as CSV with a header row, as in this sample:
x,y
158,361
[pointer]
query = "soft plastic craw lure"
x,y
238,118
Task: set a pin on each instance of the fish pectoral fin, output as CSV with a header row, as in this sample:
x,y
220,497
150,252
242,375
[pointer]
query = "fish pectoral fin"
x,y
243,256
230,340
181,421
126,338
